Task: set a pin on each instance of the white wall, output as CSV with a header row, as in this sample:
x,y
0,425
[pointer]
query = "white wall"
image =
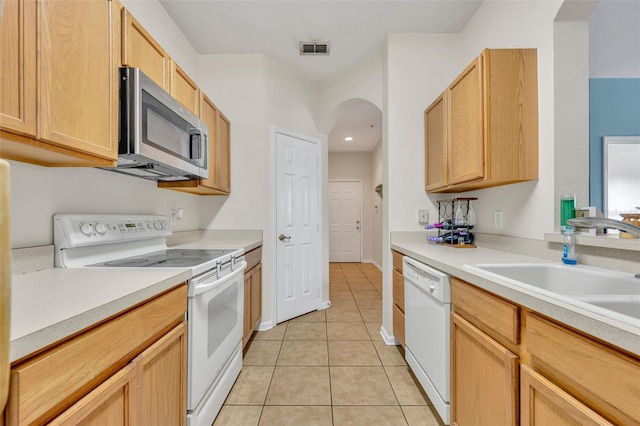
x,y
37,193
614,40
256,93
364,80
376,226
358,166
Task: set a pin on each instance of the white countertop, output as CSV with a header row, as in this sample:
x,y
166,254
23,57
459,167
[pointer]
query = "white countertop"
x,y
52,304
213,239
452,260
49,305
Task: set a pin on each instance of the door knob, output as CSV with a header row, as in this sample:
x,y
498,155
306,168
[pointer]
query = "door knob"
x,y
283,237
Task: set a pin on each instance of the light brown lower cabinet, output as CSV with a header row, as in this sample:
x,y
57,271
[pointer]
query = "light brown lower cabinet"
x,y
543,403
484,387
131,369
112,403
398,298
510,364
252,293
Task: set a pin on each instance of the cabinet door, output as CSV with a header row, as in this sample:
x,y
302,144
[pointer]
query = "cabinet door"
x,y
218,148
163,368
484,378
246,321
140,50
77,76
218,181
543,403
398,324
184,90
256,296
398,289
435,145
221,150
465,127
114,402
18,67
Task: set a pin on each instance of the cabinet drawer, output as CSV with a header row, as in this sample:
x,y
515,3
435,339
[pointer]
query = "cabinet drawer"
x,y
500,319
51,381
253,257
397,260
596,374
398,289
398,324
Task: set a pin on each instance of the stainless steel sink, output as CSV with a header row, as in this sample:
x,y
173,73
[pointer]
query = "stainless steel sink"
x,y
613,294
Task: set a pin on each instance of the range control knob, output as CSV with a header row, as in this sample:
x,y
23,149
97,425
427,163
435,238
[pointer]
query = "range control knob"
x,y
86,229
163,225
156,225
100,228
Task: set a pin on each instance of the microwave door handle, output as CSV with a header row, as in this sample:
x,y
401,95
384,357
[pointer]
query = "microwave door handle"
x,y
196,144
204,141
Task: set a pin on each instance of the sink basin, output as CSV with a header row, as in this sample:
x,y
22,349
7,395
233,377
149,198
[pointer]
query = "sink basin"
x,y
625,305
564,279
609,293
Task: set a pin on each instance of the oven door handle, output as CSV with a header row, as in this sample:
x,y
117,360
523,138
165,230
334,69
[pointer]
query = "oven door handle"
x,y
205,286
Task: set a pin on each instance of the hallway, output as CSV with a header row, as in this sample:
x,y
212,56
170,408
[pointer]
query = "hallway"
x,y
329,367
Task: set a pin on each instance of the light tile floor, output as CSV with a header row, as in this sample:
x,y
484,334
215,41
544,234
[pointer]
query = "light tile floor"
x,y
329,367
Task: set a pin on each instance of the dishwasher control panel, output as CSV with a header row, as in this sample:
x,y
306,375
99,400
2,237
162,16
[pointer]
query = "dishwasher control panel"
x,y
430,280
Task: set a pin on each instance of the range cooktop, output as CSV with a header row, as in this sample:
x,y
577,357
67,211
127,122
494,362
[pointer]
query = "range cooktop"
x,y
170,258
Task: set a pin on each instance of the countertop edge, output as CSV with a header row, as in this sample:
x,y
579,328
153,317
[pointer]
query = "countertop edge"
x,y
29,344
621,336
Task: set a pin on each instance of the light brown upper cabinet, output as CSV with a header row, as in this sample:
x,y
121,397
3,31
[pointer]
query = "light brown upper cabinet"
x,y
18,78
59,82
140,50
219,181
184,89
435,145
490,117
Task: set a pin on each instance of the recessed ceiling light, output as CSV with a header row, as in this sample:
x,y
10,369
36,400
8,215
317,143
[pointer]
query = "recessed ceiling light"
x,y
348,139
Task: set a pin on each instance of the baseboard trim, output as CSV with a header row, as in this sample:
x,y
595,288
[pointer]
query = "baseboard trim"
x,y
388,338
325,305
265,325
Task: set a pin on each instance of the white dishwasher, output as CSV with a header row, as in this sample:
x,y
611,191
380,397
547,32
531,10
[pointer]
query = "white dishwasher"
x,y
427,306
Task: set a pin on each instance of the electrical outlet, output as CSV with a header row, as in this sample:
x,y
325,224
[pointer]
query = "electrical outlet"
x,y
423,217
498,219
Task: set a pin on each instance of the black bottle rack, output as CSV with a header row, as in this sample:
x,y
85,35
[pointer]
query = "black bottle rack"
x,y
446,212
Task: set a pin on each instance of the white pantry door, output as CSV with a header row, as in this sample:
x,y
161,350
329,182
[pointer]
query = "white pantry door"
x,y
297,226
345,227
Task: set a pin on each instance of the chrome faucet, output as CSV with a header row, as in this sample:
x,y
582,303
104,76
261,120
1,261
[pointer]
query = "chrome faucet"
x,y
604,222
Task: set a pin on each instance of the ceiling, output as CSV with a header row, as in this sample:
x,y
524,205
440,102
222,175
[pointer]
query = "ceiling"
x,y
355,29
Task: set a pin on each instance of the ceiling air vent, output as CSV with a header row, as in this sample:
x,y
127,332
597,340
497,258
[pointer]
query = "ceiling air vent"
x,y
314,48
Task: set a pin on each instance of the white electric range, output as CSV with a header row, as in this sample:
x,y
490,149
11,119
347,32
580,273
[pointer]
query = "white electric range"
x,y
215,292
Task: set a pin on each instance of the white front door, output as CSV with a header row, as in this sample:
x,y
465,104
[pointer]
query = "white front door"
x,y
345,225
298,251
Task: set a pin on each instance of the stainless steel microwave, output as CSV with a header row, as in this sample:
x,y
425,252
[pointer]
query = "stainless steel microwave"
x,y
159,138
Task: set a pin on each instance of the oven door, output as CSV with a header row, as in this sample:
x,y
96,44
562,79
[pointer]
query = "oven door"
x,y
215,327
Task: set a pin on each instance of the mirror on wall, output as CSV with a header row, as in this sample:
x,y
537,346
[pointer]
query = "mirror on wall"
x,y
621,174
